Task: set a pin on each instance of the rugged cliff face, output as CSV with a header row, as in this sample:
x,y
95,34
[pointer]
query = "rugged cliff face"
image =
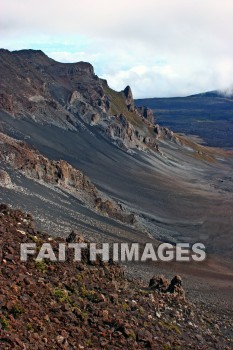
x,y
70,95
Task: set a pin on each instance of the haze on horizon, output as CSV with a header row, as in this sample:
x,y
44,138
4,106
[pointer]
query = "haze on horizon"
x,y
160,48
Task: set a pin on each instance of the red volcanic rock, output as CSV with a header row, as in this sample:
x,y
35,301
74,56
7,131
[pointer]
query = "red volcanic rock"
x,y
72,305
159,283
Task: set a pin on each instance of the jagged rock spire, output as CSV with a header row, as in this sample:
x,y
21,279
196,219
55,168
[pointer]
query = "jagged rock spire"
x,y
129,98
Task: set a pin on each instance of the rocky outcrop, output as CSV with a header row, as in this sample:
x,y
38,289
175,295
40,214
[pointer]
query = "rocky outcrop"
x,y
5,180
129,98
95,118
75,96
161,284
111,210
157,130
120,128
57,173
6,102
75,237
34,165
148,114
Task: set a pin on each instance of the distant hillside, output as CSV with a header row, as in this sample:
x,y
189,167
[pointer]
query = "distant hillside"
x,y
227,93
208,115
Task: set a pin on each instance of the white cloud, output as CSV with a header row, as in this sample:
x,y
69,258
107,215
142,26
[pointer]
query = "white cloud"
x,y
160,48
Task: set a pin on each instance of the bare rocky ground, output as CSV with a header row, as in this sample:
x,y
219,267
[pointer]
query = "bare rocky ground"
x,y
86,305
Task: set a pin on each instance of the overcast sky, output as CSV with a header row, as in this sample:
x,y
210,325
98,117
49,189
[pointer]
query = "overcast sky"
x,y
158,47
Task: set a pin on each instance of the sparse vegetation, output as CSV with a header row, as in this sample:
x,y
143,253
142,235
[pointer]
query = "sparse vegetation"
x,y
62,295
4,323
118,106
41,266
17,310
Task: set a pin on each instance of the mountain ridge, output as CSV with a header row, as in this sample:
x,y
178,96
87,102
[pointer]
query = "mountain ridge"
x,y
67,94
207,115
